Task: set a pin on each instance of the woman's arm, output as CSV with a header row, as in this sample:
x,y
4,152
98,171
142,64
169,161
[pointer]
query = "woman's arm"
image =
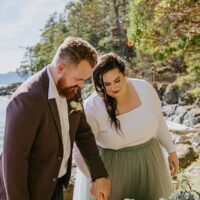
x,y
163,133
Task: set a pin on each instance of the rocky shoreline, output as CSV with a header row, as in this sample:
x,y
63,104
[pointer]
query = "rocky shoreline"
x,y
9,90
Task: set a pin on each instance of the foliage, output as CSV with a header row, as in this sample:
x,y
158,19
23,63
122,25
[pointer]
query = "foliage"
x,y
102,23
195,93
162,33
185,190
167,28
41,54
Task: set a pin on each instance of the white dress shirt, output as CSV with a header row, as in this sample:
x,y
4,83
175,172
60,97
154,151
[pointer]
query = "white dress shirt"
x,y
64,121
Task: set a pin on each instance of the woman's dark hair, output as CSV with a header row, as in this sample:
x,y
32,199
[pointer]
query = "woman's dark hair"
x,y
106,63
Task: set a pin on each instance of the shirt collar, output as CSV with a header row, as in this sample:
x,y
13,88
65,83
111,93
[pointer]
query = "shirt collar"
x,y
52,91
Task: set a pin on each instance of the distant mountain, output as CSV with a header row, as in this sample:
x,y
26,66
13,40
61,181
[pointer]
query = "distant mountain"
x,y
9,78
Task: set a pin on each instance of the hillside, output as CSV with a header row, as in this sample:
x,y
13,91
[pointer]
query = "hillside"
x,y
9,78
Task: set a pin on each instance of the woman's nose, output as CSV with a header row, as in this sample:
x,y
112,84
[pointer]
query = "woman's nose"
x,y
113,87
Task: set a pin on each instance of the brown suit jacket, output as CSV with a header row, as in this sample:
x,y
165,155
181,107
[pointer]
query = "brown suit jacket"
x,y
33,149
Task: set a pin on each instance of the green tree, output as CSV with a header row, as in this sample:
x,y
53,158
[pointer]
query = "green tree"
x,y
53,33
167,28
102,23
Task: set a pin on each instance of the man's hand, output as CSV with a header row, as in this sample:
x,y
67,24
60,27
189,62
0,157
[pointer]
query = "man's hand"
x,y
100,189
173,163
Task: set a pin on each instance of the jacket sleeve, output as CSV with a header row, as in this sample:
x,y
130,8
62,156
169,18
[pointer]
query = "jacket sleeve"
x,y
20,130
85,141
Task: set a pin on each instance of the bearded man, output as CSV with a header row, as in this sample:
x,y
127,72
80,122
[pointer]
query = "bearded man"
x,y
44,117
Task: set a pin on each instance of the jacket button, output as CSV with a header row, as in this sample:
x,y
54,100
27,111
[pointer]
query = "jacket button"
x,y
59,158
54,179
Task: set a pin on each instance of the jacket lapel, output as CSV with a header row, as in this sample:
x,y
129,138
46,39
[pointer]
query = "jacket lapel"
x,y
71,119
51,102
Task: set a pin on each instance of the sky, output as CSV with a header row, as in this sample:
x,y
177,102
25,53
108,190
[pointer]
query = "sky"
x,y
21,22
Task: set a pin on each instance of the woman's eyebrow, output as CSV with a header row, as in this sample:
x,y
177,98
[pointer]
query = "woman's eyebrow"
x,y
113,80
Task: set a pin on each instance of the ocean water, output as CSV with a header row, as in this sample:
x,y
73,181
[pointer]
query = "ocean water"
x,y
3,104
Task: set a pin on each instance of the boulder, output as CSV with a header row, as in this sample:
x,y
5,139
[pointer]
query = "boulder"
x,y
187,115
195,141
171,94
169,110
192,117
186,154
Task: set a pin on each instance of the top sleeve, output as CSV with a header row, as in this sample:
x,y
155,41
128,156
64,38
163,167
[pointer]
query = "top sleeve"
x,y
78,159
86,144
163,133
91,116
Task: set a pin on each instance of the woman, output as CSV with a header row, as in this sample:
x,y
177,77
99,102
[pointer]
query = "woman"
x,y
126,119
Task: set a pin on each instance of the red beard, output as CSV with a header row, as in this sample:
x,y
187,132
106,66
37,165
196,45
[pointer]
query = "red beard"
x,y
67,92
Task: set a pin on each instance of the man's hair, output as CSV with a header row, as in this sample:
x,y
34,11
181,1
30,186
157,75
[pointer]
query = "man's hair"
x,y
75,50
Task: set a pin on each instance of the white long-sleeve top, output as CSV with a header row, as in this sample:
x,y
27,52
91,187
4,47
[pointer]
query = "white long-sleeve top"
x,y
137,126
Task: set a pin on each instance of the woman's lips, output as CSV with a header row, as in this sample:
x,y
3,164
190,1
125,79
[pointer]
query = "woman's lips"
x,y
115,92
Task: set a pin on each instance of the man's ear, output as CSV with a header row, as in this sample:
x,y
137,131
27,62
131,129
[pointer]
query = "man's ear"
x,y
60,68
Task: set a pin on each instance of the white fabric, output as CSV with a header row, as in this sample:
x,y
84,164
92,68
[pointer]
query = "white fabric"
x,y
138,125
64,121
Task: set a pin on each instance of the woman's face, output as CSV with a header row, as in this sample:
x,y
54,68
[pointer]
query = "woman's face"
x,y
114,82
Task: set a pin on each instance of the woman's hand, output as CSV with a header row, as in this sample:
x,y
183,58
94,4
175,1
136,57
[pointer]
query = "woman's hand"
x,y
173,163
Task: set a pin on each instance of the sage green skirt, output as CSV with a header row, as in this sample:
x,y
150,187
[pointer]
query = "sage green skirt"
x,y
138,172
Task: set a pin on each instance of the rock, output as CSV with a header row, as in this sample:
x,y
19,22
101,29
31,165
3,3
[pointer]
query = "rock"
x,y
175,113
192,173
181,111
186,154
192,117
193,170
87,90
178,119
186,99
195,141
187,115
196,126
9,90
166,74
169,110
171,94
192,139
181,139
161,88
180,129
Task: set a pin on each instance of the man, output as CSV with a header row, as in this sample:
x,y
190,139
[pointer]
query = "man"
x,y
44,117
